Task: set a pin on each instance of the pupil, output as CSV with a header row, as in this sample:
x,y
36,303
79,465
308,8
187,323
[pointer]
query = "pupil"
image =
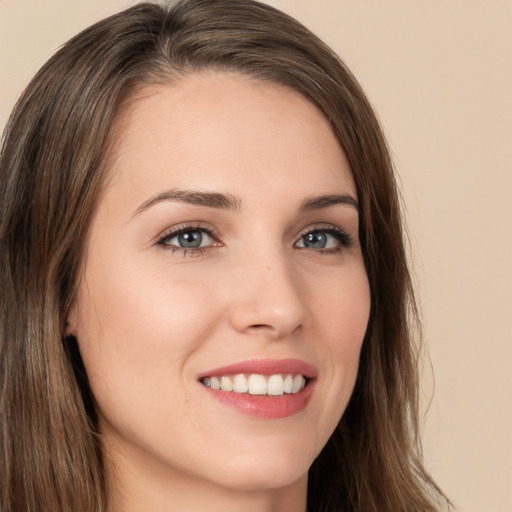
x,y
190,239
315,240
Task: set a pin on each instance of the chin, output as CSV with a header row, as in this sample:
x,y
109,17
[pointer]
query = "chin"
x,y
274,474
266,468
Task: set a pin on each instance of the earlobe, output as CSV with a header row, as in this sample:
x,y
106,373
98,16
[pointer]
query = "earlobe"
x,y
70,326
70,330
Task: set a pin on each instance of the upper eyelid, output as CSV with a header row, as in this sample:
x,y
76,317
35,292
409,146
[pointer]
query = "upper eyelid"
x,y
174,231
200,226
325,227
193,226
321,226
347,238
214,233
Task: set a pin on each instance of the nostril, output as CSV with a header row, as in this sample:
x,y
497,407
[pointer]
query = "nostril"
x,y
267,313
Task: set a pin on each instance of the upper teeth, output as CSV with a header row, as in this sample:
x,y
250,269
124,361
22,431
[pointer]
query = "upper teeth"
x,y
256,384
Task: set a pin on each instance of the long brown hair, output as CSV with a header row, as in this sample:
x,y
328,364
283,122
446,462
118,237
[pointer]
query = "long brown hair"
x,y
52,165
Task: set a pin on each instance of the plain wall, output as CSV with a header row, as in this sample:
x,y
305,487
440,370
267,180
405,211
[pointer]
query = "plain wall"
x,y
439,76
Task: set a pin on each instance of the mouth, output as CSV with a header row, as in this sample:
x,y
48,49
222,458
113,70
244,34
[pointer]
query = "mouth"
x,y
257,384
262,388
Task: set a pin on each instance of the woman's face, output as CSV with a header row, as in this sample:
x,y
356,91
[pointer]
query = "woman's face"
x,y
224,248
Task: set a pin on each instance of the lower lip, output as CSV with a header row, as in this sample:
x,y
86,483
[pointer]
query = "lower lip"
x,y
265,406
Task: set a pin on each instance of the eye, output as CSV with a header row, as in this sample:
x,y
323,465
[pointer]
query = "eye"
x,y
330,239
188,239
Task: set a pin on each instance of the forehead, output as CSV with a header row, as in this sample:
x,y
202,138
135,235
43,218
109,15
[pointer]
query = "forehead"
x,y
217,129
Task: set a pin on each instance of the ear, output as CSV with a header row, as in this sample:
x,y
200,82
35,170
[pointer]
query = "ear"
x,y
70,326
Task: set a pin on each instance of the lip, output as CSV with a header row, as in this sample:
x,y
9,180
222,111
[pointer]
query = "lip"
x,y
264,406
264,367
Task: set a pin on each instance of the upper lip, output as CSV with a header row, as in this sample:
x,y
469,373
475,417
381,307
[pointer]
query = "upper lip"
x,y
264,367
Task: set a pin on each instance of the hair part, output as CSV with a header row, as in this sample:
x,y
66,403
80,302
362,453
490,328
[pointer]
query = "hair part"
x,y
53,163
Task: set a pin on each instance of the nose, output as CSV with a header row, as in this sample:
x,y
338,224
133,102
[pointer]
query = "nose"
x,y
269,301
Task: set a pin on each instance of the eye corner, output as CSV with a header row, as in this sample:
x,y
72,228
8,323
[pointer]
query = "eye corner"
x,y
325,239
189,239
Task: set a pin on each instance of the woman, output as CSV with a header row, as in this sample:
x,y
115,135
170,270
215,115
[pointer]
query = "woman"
x,y
205,297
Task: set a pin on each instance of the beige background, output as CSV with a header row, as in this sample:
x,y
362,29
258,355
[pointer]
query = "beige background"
x,y
439,75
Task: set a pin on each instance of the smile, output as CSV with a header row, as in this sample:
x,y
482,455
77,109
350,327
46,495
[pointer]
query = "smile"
x,y
262,388
256,384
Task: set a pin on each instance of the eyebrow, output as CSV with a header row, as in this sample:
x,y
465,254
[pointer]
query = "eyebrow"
x,y
230,202
325,201
197,198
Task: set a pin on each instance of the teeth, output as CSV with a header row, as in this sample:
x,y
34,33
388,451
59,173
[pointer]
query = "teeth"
x,y
255,384
240,384
226,384
298,383
215,383
275,385
288,384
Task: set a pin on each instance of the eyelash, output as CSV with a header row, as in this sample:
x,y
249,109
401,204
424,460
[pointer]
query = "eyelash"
x,y
339,234
187,228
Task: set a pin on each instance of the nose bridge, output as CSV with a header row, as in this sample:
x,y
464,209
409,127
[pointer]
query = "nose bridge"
x,y
269,298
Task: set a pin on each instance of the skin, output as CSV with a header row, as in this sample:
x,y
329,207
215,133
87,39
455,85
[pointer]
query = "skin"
x,y
149,317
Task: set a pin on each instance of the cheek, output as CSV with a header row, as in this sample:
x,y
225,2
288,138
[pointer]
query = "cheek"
x,y
351,326
342,307
136,326
342,314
